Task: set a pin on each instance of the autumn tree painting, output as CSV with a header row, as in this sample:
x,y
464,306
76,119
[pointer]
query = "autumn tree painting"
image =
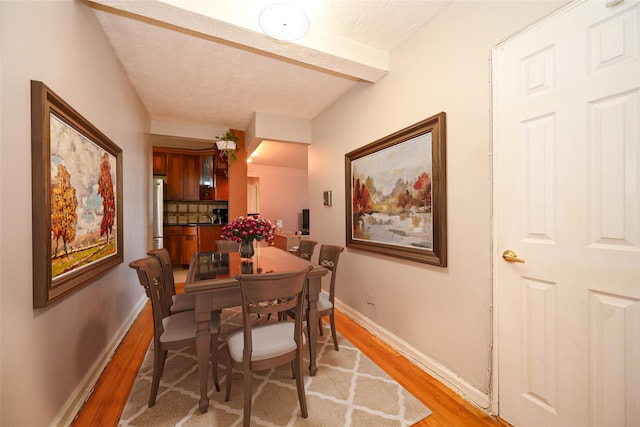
x,y
83,200
423,190
64,204
105,189
361,197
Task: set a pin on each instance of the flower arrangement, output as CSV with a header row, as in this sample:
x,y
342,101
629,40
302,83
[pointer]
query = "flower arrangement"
x,y
248,229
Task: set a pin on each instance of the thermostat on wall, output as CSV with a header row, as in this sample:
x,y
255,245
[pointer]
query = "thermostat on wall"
x,y
327,198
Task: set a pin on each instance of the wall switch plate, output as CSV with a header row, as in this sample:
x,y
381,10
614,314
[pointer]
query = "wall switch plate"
x,y
371,300
327,198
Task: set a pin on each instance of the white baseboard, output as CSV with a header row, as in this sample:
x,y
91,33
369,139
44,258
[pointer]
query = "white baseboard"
x,y
430,366
84,389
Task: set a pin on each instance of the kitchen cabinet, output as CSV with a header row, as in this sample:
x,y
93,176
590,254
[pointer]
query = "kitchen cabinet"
x,y
191,177
183,177
183,240
175,170
208,234
189,243
285,241
173,243
159,163
207,178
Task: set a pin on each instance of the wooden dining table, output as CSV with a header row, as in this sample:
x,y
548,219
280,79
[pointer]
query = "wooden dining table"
x,y
212,279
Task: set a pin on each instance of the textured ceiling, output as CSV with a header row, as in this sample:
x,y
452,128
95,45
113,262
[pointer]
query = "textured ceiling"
x,y
206,62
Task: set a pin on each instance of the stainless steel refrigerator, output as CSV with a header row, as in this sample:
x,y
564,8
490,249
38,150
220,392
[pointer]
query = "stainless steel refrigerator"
x,y
158,212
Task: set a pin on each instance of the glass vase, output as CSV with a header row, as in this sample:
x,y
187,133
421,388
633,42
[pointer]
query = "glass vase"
x,y
246,249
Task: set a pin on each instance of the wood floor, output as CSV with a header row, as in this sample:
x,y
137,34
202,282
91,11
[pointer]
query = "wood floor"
x,y
107,401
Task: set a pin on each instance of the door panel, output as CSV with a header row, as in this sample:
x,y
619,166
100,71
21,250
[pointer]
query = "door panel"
x,y
566,200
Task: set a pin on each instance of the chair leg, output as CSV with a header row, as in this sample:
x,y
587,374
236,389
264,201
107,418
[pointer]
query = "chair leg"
x,y
214,360
332,322
228,379
320,328
248,386
300,385
159,356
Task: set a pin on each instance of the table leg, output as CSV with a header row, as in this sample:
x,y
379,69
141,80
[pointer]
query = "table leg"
x,y
203,346
312,321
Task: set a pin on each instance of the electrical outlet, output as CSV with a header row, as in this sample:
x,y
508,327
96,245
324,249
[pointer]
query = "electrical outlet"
x,y
371,300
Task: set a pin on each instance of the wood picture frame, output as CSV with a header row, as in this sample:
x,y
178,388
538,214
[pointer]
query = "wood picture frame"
x,y
396,194
76,198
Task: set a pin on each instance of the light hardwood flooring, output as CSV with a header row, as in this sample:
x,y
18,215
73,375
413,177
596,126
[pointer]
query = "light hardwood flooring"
x,y
106,403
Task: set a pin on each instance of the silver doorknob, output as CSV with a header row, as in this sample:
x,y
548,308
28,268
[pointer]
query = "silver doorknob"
x,y
511,256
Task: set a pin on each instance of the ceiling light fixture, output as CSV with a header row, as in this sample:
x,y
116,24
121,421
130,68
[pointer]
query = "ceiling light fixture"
x,y
284,22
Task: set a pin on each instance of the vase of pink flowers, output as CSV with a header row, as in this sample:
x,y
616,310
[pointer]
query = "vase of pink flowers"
x,y
246,230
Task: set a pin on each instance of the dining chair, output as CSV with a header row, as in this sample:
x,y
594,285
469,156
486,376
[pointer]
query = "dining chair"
x,y
174,331
305,248
271,344
174,303
223,245
328,258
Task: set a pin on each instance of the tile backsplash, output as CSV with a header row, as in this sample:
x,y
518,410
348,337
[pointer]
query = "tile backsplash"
x,y
195,212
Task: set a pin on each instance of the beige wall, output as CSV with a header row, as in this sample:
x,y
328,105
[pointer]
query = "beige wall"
x,y
442,315
283,194
47,353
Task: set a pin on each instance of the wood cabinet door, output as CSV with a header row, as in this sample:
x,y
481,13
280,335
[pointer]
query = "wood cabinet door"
x,y
173,243
175,172
159,163
208,234
189,244
191,177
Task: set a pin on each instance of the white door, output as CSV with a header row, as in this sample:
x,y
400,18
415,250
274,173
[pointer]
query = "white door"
x,y
567,202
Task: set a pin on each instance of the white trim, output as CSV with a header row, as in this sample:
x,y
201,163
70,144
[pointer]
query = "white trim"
x,y
422,361
84,389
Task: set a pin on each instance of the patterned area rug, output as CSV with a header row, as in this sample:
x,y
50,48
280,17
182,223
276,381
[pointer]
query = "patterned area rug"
x,y
348,390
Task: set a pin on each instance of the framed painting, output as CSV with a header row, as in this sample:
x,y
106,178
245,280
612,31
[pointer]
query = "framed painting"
x,y
76,198
396,194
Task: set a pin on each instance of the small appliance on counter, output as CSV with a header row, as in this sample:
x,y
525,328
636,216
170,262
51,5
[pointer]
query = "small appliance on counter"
x,y
221,216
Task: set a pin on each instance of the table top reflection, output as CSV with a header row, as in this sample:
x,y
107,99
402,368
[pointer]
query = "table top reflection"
x,y
215,267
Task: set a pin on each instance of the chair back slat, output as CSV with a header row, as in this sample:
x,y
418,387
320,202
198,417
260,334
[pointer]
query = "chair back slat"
x,y
306,248
151,278
166,266
227,246
271,293
328,258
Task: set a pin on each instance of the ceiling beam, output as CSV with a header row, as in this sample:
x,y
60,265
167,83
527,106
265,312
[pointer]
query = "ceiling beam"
x,y
321,51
